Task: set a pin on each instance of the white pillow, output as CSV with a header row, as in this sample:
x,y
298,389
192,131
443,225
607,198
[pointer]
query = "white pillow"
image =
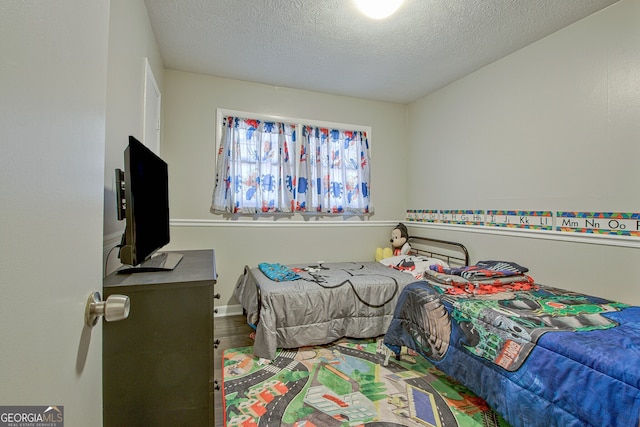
x,y
420,263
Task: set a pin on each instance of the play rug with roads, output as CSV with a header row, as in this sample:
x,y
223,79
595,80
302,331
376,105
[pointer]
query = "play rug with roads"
x,y
345,384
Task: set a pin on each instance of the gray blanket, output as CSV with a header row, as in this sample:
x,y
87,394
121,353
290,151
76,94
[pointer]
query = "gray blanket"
x,y
328,302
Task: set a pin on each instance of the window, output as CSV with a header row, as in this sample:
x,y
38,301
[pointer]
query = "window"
x,y
262,167
334,171
255,171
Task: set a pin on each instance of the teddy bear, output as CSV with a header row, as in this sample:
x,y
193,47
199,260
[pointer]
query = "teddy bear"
x,y
399,243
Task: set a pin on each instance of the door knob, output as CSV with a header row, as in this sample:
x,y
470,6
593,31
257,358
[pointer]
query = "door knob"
x,y
115,308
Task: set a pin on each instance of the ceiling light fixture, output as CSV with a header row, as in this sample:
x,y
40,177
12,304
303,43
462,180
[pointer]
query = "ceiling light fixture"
x,y
378,9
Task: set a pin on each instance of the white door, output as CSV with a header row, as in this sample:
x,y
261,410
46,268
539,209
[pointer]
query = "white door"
x,y
53,74
152,105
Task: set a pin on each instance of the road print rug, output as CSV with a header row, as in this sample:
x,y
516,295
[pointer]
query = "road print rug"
x,y
345,384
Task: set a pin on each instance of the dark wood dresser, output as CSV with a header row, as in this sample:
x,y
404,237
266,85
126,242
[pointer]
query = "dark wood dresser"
x,y
158,363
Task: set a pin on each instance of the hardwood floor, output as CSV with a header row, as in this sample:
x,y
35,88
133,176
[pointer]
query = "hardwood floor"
x,y
231,331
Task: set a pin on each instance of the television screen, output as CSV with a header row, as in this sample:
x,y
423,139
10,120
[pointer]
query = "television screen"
x,y
146,209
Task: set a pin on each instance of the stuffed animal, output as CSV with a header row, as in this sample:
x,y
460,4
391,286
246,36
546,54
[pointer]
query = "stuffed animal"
x,y
399,243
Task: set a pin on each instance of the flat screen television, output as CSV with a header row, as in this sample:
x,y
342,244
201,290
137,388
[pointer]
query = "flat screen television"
x,y
142,193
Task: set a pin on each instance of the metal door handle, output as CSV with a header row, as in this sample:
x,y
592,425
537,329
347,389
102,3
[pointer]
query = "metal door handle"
x,y
115,308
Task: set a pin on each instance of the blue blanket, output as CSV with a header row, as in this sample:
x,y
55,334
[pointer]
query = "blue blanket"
x,y
544,357
278,272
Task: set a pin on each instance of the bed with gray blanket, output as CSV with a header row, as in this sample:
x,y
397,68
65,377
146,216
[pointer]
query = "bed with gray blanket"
x,y
310,304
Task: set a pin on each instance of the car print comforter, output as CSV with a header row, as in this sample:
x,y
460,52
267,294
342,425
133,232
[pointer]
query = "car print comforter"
x,y
539,355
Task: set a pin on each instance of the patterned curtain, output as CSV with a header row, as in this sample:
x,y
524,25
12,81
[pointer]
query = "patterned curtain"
x,y
255,172
334,171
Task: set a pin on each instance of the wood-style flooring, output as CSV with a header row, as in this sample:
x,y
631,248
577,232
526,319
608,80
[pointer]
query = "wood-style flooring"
x,y
231,332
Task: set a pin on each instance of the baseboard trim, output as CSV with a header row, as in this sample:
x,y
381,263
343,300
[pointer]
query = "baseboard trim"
x,y
227,310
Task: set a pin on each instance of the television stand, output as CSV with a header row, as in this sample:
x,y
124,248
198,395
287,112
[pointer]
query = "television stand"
x,y
164,261
158,364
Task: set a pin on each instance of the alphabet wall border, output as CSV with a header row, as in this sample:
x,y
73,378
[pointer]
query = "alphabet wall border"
x,y
604,223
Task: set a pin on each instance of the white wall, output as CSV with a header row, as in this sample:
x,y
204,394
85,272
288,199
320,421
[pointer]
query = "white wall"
x,y
554,126
189,144
131,40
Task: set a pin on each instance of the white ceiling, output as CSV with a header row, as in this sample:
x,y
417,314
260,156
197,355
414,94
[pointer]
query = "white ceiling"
x,y
328,46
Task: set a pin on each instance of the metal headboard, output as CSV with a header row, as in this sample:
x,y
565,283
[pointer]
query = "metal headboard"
x,y
462,252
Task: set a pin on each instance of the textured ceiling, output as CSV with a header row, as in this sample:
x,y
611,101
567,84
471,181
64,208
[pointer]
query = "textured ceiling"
x,y
328,46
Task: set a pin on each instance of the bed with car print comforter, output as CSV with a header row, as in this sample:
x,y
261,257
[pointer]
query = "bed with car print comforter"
x,y
539,355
